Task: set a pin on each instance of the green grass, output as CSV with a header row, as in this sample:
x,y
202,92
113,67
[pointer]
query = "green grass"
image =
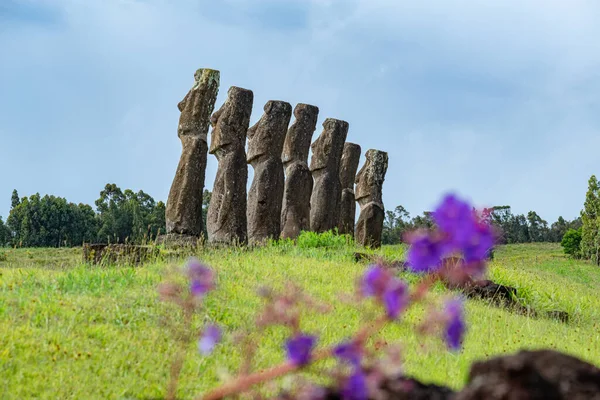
x,y
74,331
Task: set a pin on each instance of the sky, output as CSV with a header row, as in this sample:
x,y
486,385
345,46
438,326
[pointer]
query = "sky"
x,y
497,101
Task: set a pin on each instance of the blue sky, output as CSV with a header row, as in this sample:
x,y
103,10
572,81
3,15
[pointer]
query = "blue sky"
x,y
496,100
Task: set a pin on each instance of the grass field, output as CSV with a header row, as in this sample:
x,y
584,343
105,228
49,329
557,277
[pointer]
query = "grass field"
x,y
75,331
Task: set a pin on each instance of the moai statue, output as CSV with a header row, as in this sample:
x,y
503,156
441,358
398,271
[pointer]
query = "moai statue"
x,y
227,209
369,183
348,167
295,212
184,205
265,143
325,169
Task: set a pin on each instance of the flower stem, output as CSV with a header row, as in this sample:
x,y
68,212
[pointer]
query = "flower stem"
x,y
243,383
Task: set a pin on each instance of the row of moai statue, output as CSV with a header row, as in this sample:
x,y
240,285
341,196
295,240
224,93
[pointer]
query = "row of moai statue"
x,y
287,195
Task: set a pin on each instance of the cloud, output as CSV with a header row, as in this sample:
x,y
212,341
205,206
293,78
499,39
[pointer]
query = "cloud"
x,y
496,100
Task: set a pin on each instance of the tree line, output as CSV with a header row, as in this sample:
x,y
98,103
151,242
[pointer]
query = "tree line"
x,y
49,221
125,216
511,228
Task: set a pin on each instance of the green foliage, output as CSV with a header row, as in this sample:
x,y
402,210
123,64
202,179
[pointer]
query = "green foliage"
x,y
329,239
398,222
14,200
126,216
4,234
50,221
589,216
571,243
531,228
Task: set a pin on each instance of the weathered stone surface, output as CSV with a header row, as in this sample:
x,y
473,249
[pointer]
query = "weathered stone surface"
x,y
325,168
295,212
532,375
118,253
184,205
369,184
348,167
227,209
265,144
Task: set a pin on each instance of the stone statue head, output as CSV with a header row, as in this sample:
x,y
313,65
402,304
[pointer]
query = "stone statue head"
x,y
327,149
266,137
230,121
369,180
297,140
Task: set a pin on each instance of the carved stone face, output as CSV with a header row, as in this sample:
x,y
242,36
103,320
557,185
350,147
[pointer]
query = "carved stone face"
x,y
230,121
297,140
327,149
349,164
197,105
266,137
369,180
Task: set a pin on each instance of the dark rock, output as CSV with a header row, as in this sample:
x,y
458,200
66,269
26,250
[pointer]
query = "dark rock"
x,y
348,167
184,205
325,168
227,209
118,253
295,211
265,144
369,185
178,240
486,289
403,388
561,316
532,375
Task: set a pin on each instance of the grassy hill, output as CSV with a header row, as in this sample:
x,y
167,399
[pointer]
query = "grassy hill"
x,y
70,330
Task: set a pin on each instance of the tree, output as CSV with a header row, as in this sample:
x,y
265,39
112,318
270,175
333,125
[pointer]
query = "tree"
x,y
571,243
14,200
424,221
538,228
50,221
501,218
4,233
396,222
589,218
127,216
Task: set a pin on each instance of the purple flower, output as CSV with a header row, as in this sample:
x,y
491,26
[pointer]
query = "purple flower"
x,y
201,277
479,244
425,253
455,218
299,348
355,387
374,281
455,325
348,351
395,298
210,337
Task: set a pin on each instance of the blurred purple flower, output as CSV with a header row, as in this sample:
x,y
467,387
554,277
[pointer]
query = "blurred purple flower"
x,y
425,253
374,281
455,218
348,351
210,337
299,348
395,298
202,278
455,324
355,387
480,243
